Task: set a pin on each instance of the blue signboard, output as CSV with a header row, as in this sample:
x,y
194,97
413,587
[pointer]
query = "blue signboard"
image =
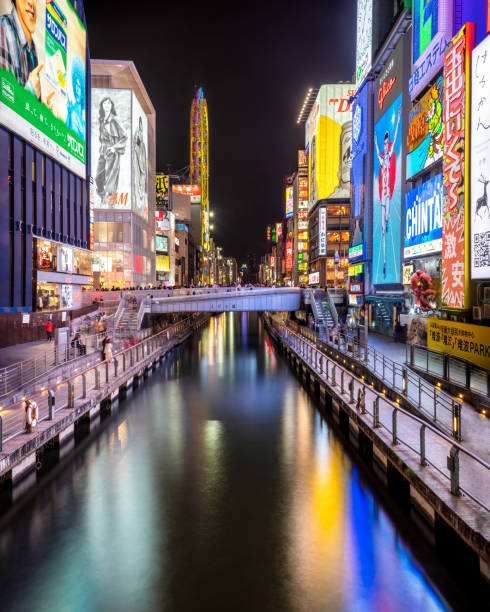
x,y
359,150
387,192
423,219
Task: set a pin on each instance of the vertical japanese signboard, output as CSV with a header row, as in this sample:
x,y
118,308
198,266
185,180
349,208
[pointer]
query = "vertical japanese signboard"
x,y
480,160
364,39
455,170
322,231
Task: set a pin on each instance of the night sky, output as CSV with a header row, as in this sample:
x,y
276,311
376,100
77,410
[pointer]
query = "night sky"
x,y
255,61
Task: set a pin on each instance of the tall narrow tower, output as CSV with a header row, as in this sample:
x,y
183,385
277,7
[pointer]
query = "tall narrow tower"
x,y
199,171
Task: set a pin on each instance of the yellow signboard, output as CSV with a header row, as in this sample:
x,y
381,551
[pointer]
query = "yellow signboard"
x,y
469,342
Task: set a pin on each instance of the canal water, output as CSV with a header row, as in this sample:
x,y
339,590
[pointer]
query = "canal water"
x,y
217,486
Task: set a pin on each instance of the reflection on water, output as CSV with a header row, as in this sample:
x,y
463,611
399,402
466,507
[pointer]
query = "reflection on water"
x,y
217,487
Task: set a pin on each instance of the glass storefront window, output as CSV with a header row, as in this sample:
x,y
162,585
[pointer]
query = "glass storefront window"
x,y
46,255
82,263
47,296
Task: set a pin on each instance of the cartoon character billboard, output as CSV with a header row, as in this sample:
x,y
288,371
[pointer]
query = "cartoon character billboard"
x,y
425,138
43,78
387,196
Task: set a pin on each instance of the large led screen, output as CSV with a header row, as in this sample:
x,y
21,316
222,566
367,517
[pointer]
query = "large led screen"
x,y
328,136
42,78
387,190
423,219
425,138
289,202
480,160
359,150
139,154
111,148
432,30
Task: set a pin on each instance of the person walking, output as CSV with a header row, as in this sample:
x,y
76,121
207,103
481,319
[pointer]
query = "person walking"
x,y
49,330
108,351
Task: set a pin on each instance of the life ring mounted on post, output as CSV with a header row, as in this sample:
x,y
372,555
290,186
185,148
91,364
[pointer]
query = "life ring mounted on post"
x,y
32,414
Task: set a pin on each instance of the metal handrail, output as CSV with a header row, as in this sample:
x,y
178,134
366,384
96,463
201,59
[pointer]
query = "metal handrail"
x,y
401,379
154,341
395,431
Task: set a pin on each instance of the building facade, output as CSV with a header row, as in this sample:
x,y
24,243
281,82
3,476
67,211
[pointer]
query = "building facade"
x,y
44,203
122,184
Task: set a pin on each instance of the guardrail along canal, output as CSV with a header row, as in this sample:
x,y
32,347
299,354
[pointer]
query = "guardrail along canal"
x,y
218,486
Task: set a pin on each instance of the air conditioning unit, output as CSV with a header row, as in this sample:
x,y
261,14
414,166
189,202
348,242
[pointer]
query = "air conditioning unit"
x,y
486,294
486,311
476,313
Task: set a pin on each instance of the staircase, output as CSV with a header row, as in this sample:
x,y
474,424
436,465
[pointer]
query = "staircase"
x,y
128,321
322,310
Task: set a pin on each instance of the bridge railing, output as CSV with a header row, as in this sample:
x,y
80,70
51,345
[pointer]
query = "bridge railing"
x,y
464,472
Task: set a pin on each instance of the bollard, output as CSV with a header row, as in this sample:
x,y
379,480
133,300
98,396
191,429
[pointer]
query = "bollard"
x,y
351,391
404,381
116,365
84,386
457,420
97,378
333,376
342,382
453,467
394,425
51,404
71,394
376,413
423,460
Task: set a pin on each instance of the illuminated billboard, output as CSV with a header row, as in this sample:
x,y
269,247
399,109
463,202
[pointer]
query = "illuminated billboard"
x,y
161,192
111,150
289,202
455,228
43,78
387,189
322,231
139,152
303,188
423,219
432,30
480,160
161,243
425,137
360,109
328,133
162,263
193,191
364,39
278,230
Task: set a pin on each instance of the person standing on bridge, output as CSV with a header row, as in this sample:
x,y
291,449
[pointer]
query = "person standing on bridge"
x,y
108,350
49,330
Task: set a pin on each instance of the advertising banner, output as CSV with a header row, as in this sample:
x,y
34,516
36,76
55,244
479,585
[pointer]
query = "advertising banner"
x,y
162,263
303,188
387,190
43,99
359,150
139,151
313,278
161,193
193,191
364,39
302,161
328,136
322,231
278,230
161,243
455,220
111,148
463,340
423,219
480,160
289,202
432,30
425,138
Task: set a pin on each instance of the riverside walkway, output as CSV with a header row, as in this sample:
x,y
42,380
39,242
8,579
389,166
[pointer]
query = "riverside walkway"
x,y
79,394
443,475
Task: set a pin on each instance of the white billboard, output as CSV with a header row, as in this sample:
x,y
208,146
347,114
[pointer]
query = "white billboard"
x,y
480,160
139,153
364,39
111,149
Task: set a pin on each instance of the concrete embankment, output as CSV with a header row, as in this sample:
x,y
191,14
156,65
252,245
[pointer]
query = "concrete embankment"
x,y
453,522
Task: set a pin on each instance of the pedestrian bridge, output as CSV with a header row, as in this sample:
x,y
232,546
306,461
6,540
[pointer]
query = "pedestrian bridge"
x,y
225,300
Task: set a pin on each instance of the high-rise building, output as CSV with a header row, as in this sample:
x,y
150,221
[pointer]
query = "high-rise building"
x,y
122,185
44,205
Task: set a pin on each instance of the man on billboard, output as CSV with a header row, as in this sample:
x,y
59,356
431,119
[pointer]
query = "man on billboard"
x,y
18,52
384,160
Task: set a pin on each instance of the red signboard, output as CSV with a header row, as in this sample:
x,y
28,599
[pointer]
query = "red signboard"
x,y
454,272
289,255
302,158
356,287
278,230
190,190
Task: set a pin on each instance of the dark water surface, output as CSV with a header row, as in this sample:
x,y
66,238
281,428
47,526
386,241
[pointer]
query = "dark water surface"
x,y
218,486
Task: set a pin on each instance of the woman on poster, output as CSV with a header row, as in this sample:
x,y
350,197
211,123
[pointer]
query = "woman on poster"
x,y
140,168
112,139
